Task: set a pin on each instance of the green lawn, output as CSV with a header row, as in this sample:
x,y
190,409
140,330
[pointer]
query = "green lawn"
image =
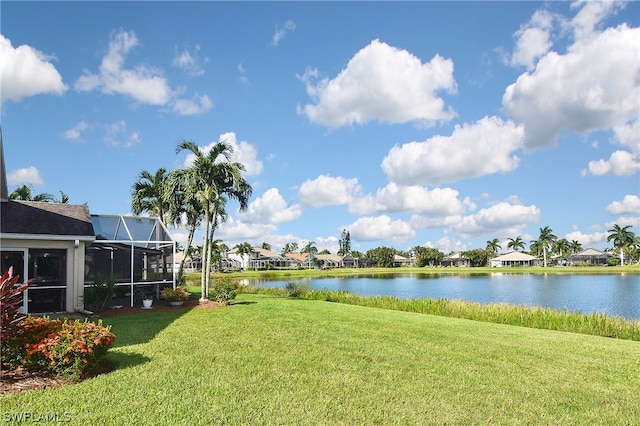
x,y
275,360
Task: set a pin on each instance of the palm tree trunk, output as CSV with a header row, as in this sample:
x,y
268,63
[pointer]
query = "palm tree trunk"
x,y
187,247
204,293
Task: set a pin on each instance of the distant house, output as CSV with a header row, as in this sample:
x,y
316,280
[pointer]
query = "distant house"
x,y
590,257
62,248
349,261
403,261
258,259
330,261
514,258
456,259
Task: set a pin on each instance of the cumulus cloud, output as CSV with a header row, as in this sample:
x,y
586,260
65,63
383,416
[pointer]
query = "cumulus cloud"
x,y
415,199
587,240
75,133
574,92
630,204
328,191
500,220
243,152
24,71
473,150
381,83
281,31
533,40
25,176
239,231
143,83
271,208
380,228
620,163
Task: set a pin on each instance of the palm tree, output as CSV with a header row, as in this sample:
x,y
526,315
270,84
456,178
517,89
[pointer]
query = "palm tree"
x,y
149,194
183,205
25,193
562,247
266,246
622,238
310,248
546,240
575,246
211,179
243,249
516,243
492,248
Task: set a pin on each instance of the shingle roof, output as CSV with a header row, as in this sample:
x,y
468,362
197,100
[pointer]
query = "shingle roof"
x,y
37,218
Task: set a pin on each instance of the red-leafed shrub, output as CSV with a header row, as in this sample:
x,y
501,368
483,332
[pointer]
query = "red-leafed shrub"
x,y
61,347
10,303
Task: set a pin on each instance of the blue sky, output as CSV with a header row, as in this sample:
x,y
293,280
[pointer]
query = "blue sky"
x,y
443,124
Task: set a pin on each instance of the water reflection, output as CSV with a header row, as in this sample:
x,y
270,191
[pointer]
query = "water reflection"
x,y
617,294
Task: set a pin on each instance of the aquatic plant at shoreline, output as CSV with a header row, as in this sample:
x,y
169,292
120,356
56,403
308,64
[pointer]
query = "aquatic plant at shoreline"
x,y
596,324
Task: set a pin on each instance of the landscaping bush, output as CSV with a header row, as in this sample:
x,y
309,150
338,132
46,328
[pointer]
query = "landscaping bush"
x,y
224,290
99,293
10,303
297,289
65,348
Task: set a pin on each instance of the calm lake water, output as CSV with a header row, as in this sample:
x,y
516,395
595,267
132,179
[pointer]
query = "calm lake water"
x,y
617,294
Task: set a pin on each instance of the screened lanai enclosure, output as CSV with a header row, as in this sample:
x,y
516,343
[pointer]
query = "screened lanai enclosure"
x,y
137,253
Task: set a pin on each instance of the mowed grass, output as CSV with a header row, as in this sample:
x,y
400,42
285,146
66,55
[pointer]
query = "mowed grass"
x,y
276,360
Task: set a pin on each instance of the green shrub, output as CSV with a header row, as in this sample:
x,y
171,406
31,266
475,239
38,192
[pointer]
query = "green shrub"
x,y
99,292
65,348
180,293
297,289
224,290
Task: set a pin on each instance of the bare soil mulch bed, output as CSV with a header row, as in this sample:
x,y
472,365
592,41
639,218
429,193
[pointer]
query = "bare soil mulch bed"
x,y
16,380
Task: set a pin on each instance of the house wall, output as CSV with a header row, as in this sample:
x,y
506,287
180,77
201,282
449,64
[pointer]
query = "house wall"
x,y
74,264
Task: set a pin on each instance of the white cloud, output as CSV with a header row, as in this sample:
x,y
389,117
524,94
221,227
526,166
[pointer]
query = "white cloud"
x,y
533,40
25,176
197,105
588,240
474,150
189,61
381,83
447,245
500,220
24,71
380,228
415,199
621,163
630,204
75,133
628,135
142,83
328,191
238,231
592,13
116,135
575,92
281,31
271,208
243,152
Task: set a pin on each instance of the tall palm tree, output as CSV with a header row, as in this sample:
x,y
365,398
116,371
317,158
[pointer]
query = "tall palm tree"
x,y
212,180
546,240
149,194
622,238
516,243
492,248
310,249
